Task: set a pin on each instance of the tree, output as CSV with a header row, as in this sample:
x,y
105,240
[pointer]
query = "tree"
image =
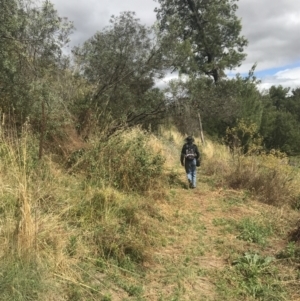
x,y
205,34
121,62
278,96
221,105
280,121
294,103
31,41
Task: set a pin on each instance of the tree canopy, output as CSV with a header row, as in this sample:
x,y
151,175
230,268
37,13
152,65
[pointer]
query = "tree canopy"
x,y
121,62
205,35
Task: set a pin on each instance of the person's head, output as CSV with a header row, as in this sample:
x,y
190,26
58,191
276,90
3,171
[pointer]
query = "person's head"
x,y
189,139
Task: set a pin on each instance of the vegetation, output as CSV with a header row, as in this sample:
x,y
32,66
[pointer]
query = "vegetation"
x,y
117,230
93,201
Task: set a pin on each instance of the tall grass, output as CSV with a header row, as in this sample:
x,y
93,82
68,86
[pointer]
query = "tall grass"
x,y
103,207
17,163
267,176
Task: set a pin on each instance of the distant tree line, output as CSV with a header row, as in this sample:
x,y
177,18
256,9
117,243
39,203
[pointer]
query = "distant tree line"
x,y
109,82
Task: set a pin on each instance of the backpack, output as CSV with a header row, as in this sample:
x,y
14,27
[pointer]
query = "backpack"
x,y
190,153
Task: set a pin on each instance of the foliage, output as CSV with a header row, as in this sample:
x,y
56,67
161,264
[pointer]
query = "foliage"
x,y
243,138
252,231
281,132
125,162
31,38
266,177
206,35
121,62
97,222
89,239
280,126
221,105
290,253
121,228
257,277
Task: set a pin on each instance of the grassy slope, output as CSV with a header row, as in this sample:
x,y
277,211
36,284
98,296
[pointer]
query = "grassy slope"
x,y
95,243
202,243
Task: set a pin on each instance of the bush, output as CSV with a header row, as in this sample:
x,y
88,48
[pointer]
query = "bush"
x,y
267,177
126,161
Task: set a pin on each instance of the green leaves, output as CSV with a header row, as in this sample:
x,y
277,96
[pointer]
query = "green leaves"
x,y
31,41
258,277
212,30
122,62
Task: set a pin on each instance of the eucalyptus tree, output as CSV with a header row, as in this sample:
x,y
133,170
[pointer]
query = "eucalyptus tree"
x,y
205,35
121,63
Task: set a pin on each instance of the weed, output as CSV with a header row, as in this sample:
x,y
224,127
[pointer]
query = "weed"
x,y
220,222
20,280
253,231
252,276
233,201
291,253
252,265
211,209
296,203
134,290
106,298
225,225
258,277
174,179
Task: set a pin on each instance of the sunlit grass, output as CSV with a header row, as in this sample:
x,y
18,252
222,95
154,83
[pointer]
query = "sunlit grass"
x,y
100,225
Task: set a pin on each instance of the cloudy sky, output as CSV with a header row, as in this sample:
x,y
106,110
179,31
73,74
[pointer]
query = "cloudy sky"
x,y
271,26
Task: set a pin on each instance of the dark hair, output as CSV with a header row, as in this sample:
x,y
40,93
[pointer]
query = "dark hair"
x,y
189,139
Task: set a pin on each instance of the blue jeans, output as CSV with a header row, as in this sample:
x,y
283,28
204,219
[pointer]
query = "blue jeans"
x,y
190,169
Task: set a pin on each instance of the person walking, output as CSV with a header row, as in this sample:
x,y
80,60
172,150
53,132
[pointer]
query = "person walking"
x,y
190,159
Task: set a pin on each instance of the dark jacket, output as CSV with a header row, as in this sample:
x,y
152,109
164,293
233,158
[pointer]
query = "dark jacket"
x,y
183,152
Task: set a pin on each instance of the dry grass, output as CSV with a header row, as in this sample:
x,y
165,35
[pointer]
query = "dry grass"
x,y
97,242
217,160
267,177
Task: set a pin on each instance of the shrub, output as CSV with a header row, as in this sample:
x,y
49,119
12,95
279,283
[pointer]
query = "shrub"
x,y
270,180
243,138
126,161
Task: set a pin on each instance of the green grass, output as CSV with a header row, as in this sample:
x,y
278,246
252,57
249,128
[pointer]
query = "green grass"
x,y
251,276
252,230
21,280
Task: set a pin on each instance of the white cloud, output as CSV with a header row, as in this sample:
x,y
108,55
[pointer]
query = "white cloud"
x,y
286,78
272,30
90,16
